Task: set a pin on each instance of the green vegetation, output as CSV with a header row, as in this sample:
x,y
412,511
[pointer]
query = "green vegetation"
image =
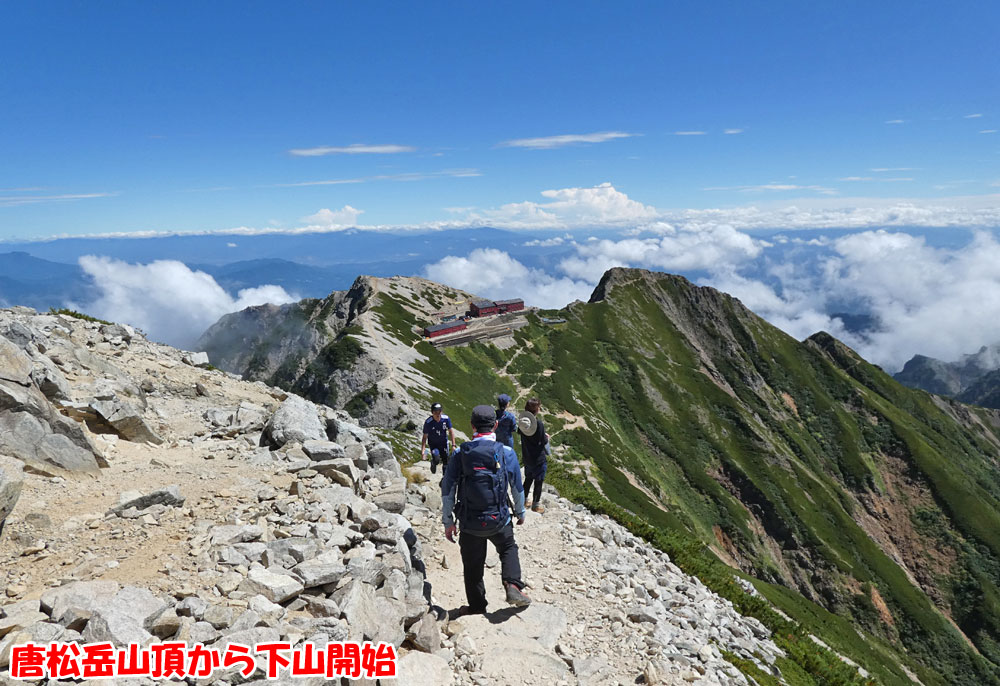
x,y
714,436
724,418
359,404
77,315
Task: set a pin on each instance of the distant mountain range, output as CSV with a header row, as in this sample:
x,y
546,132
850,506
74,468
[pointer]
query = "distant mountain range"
x,y
46,274
973,379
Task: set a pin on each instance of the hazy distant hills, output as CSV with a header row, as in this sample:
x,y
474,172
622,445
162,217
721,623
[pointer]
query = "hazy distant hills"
x,y
317,249
38,283
47,274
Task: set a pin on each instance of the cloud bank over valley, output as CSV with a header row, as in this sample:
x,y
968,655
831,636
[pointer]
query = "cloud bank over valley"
x,y
168,300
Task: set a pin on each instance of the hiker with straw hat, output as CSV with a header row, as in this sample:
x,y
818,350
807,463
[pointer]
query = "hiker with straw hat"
x,y
534,451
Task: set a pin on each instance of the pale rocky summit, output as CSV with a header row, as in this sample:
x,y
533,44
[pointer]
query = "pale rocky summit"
x,y
343,350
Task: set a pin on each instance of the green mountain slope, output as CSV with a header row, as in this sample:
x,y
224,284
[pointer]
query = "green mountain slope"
x,y
866,511
797,463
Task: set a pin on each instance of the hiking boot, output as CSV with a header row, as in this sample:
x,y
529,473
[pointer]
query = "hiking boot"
x,y
516,597
434,465
537,507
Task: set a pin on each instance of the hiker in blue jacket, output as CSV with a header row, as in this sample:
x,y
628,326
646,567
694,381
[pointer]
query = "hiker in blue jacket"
x,y
506,421
480,473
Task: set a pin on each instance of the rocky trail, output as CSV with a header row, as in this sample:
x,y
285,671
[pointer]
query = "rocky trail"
x,y
228,512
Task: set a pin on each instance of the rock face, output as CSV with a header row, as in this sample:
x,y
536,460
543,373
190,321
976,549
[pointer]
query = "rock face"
x,y
342,351
296,420
11,478
972,379
31,428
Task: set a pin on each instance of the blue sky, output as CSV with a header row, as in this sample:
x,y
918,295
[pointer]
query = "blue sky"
x,y
130,117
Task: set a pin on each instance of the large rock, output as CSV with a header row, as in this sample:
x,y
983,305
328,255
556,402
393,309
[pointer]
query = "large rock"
x,y
20,616
116,627
323,569
360,610
380,453
320,451
50,380
15,365
126,420
11,479
81,596
342,471
195,359
169,496
296,420
275,587
31,440
128,617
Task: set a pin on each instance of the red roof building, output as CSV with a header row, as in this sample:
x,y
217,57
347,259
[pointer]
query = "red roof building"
x,y
445,328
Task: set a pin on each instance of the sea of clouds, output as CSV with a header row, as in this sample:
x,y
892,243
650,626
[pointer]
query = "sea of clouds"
x,y
938,301
941,302
168,300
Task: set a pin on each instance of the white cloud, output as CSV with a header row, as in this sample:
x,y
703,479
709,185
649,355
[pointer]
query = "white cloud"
x,y
690,133
405,176
548,142
493,273
166,299
15,200
933,301
988,131
548,242
774,187
230,245
973,116
896,121
595,206
893,169
677,250
732,132
346,216
355,149
939,302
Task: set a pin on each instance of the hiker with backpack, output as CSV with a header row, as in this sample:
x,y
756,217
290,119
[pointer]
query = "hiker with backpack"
x,y
437,432
480,474
534,451
506,421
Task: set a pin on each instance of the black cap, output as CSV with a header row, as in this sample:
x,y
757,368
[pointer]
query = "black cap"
x,y
435,406
483,417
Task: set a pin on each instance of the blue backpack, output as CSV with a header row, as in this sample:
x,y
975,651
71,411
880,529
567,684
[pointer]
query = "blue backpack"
x,y
506,423
482,488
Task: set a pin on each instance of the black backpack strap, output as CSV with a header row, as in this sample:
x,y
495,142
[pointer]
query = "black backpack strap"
x,y
498,455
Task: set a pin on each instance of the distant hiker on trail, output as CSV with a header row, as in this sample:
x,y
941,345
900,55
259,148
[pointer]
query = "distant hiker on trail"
x,y
480,472
506,421
534,451
439,437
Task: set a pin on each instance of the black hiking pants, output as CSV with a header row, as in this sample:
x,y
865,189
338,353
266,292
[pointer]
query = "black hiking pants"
x,y
534,476
473,550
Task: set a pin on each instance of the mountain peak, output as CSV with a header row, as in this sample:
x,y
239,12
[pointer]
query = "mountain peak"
x,y
617,277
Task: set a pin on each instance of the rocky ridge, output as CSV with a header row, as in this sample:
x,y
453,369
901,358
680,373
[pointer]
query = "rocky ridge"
x,y
259,516
339,349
